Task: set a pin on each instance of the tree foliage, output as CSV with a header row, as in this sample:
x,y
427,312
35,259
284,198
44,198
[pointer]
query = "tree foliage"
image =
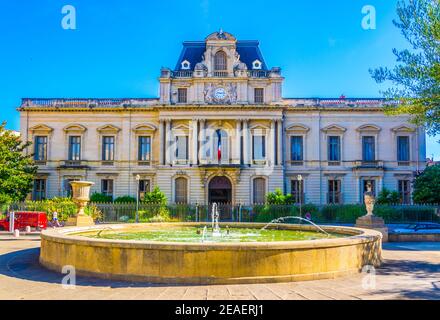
x,y
416,77
427,186
388,197
277,197
17,170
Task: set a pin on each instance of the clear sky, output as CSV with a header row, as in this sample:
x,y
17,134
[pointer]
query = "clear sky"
x,y
119,46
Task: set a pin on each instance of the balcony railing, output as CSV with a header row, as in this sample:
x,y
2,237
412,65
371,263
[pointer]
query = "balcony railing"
x,y
182,74
220,74
369,163
85,103
258,73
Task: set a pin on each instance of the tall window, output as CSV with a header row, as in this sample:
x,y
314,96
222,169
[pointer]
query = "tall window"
x,y
107,187
182,95
220,61
368,148
181,190
182,147
40,148
334,148
259,95
74,148
404,191
39,191
144,187
259,147
144,149
108,148
334,192
296,150
297,190
259,190
403,148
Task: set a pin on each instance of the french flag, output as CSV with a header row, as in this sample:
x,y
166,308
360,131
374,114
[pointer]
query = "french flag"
x,y
219,145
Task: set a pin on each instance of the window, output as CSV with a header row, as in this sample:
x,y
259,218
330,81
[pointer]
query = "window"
x,y
181,95
107,187
403,149
144,187
258,147
74,148
256,64
404,191
182,147
259,190
40,148
297,190
368,148
259,95
68,187
108,148
39,192
185,65
364,187
144,149
334,148
334,192
220,61
181,190
296,150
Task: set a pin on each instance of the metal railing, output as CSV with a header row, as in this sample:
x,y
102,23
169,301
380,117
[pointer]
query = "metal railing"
x,y
182,74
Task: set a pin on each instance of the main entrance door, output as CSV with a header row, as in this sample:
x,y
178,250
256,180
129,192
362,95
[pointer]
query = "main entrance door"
x,y
220,192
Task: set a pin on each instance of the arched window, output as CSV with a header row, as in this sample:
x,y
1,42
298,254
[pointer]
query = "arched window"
x,y
259,190
181,190
220,61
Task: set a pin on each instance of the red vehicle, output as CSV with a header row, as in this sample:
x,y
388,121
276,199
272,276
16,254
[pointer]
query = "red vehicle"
x,y
23,219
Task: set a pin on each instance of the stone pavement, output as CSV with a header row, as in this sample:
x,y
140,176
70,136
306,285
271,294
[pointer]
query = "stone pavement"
x,y
410,271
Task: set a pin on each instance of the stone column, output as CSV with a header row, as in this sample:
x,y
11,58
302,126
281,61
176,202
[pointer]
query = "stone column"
x,y
272,143
280,142
202,139
246,155
237,141
161,143
168,142
194,142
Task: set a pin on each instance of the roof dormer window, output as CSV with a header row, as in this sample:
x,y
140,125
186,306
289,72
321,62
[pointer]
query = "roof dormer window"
x,y
185,65
256,65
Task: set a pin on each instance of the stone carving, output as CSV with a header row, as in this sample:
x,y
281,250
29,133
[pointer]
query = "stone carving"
x,y
369,200
208,93
229,98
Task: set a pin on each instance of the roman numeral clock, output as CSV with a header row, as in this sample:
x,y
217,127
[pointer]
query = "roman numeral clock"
x,y
220,93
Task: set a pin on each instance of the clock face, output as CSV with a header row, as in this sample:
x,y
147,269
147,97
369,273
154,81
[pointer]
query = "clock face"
x,y
220,93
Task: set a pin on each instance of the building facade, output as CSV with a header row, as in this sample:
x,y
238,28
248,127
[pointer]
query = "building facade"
x,y
221,131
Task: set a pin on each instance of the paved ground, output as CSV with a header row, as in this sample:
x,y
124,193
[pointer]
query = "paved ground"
x,y
410,271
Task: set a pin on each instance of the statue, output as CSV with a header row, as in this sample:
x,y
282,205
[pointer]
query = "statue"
x,y
369,199
208,93
232,92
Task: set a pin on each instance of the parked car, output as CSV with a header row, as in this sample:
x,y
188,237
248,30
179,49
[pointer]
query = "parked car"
x,y
23,219
421,227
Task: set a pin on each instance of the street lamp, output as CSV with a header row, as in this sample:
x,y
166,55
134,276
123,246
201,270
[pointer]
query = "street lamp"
x,y
299,177
138,178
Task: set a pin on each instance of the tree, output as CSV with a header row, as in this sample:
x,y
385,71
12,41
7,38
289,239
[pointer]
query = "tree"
x,y
156,197
427,186
416,77
277,197
17,170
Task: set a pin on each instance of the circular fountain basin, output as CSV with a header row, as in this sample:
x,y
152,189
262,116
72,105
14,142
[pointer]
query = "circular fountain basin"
x,y
138,252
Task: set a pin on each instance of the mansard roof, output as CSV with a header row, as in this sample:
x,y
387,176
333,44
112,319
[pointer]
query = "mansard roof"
x,y
248,50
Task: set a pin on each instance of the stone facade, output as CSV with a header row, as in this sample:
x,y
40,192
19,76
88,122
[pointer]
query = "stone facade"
x,y
221,95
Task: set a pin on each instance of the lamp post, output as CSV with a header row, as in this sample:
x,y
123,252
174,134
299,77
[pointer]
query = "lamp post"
x,y
300,178
138,178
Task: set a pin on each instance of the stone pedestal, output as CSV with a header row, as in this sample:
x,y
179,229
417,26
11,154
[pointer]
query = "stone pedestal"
x,y
80,221
375,223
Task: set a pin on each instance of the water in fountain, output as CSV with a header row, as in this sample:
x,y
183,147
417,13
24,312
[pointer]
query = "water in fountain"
x,y
215,216
298,218
205,229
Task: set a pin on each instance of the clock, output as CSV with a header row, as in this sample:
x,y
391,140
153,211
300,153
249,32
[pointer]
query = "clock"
x,y
220,93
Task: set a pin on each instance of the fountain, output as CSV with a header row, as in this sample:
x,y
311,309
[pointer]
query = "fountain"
x,y
215,217
281,219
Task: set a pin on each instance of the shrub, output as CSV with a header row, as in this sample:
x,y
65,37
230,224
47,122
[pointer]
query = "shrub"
x,y
427,186
125,199
388,197
347,213
277,197
100,198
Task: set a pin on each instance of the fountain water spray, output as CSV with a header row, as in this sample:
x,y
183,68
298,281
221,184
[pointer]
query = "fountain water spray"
x,y
205,229
215,216
298,218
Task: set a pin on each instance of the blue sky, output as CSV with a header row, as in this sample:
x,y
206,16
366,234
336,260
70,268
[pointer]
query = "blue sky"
x,y
119,46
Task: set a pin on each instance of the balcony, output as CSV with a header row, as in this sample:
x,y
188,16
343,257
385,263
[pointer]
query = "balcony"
x,y
220,74
258,73
182,74
296,162
73,164
374,164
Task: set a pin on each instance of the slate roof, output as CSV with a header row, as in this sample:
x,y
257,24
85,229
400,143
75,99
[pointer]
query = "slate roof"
x,y
248,50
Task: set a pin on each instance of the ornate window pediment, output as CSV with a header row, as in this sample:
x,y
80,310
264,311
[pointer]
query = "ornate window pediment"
x,y
334,128
298,128
75,128
108,128
257,65
403,128
369,128
145,128
259,129
41,129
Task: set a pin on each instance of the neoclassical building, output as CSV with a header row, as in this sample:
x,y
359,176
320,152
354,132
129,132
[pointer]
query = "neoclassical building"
x,y
221,131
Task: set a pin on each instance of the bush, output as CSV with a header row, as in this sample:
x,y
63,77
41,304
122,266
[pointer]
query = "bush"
x,y
156,196
427,186
125,199
100,198
388,197
277,197
347,213
268,212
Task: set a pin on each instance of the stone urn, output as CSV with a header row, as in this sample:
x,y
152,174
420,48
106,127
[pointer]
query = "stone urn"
x,y
369,200
81,196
